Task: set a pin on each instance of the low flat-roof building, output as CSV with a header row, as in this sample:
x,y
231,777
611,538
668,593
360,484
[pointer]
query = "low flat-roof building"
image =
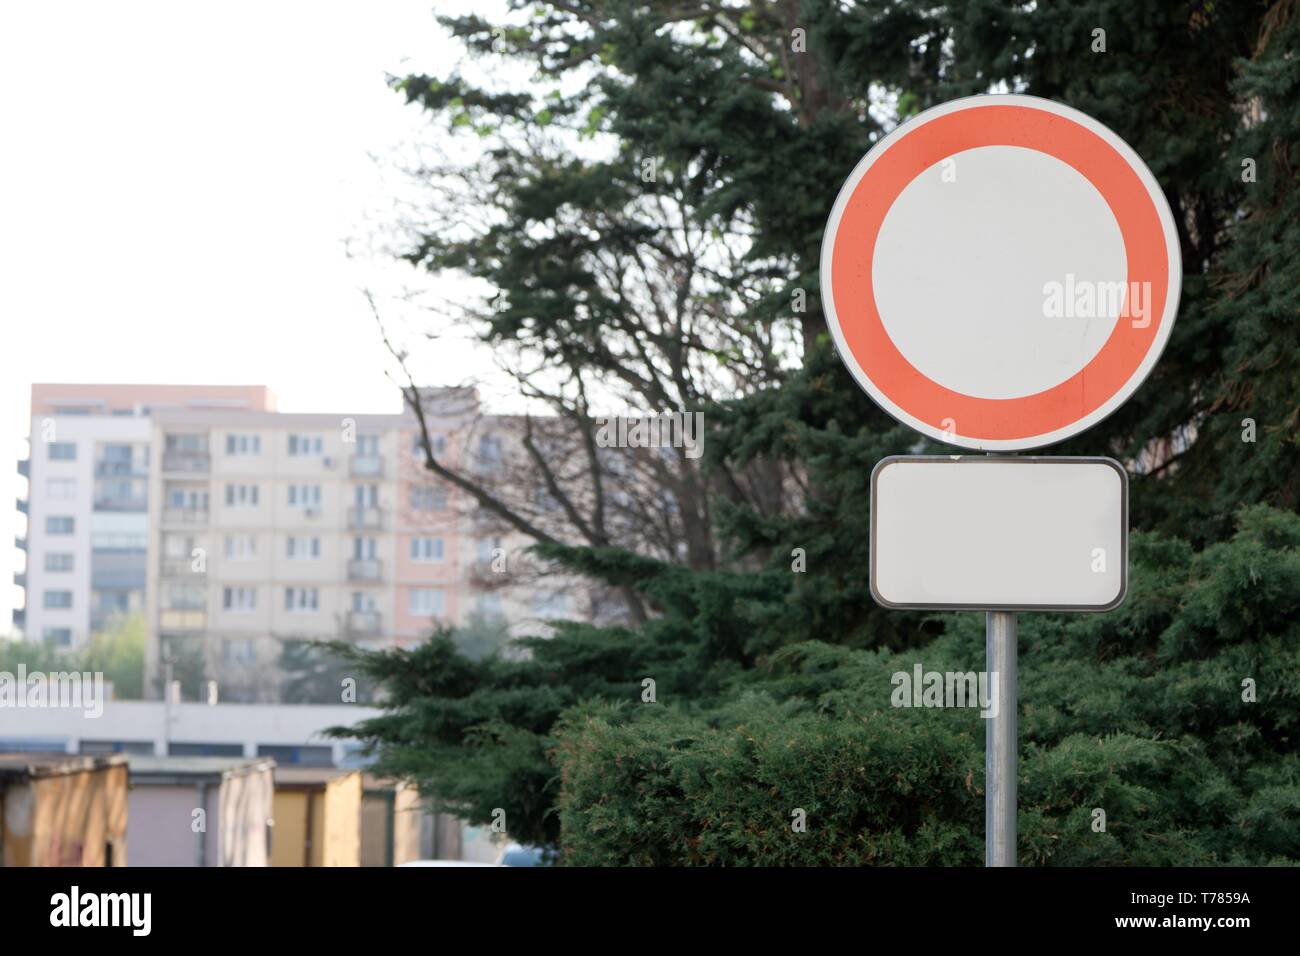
x,y
392,815
200,811
61,810
317,817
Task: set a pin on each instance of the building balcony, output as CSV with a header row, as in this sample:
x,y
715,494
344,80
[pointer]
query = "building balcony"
x,y
121,469
25,467
185,516
365,569
20,578
182,619
101,618
367,466
22,505
20,617
20,542
187,462
120,503
365,519
363,624
126,576
178,568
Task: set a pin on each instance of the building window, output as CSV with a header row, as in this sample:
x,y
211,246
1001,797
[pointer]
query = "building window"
x,y
489,605
301,599
61,489
304,496
58,561
58,599
303,445
239,652
243,445
192,443
176,546
550,604
111,602
303,755
119,494
63,451
115,459
58,636
426,549
239,599
487,549
187,499
302,549
428,498
59,524
426,602
184,597
241,496
437,442
126,541
240,547
177,749
142,747
490,457
367,446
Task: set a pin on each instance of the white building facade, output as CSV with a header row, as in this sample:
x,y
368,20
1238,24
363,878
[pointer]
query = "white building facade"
x,y
87,522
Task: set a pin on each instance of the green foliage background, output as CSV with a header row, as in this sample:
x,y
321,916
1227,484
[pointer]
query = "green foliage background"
x,y
117,653
772,687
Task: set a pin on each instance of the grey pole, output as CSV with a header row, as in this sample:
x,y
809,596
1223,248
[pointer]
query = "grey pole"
x,y
169,670
1000,638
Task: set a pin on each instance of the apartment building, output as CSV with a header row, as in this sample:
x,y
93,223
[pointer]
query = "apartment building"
x,y
88,471
240,531
272,529
268,528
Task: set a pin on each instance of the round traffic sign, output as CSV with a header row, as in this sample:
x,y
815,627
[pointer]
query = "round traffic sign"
x,y
1000,272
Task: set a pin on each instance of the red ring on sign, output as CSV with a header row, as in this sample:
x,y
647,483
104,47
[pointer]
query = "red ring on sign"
x,y
1026,416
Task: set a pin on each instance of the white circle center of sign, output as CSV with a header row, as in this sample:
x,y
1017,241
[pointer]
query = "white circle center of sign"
x,y
1000,272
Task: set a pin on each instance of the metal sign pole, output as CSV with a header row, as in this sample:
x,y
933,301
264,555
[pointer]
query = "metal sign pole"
x,y
1000,638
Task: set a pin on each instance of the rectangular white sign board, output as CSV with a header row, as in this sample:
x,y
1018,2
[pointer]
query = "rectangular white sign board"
x,y
1016,533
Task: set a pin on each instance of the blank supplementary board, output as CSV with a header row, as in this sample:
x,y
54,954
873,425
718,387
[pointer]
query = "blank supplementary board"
x,y
999,533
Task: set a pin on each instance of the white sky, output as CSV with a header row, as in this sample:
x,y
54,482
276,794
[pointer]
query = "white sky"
x,y
177,183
